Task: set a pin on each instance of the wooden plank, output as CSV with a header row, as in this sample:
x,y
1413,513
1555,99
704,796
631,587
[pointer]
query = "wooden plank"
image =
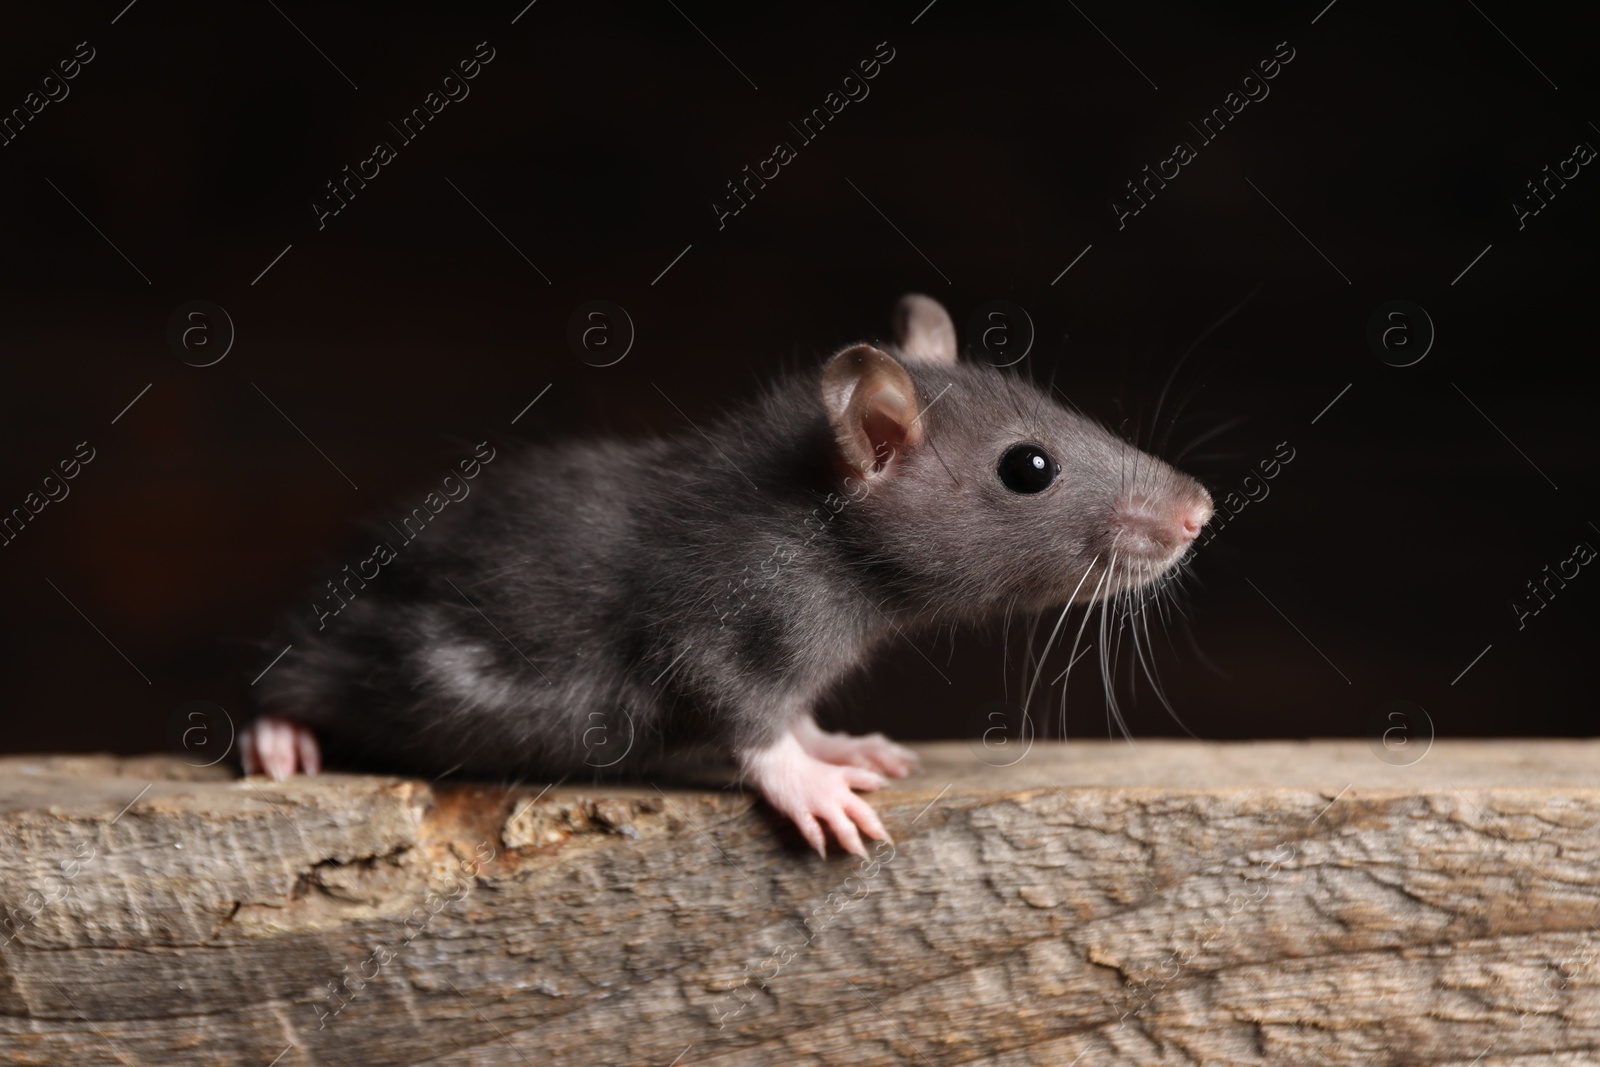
x,y
1169,903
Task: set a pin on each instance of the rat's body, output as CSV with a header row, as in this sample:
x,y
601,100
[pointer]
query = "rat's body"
x,y
601,607
591,598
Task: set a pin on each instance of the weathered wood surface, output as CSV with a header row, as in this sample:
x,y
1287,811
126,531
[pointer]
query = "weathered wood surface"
x,y
1170,903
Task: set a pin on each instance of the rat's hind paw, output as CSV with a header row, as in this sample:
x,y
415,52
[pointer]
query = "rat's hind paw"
x,y
279,747
812,793
874,751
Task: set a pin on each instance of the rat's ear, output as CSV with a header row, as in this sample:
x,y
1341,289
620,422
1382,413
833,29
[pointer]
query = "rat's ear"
x,y
873,408
923,329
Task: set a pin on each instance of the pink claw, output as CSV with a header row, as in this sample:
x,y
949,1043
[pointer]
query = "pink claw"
x,y
812,793
279,747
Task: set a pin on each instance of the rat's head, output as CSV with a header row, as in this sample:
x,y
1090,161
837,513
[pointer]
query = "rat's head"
x,y
975,489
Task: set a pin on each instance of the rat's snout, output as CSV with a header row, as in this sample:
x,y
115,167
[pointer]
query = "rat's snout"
x,y
1158,525
1196,514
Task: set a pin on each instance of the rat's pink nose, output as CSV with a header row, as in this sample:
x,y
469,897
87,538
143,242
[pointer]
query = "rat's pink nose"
x,y
1157,526
1194,516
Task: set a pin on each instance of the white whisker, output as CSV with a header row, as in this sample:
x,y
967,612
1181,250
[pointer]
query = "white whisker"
x,y
1028,699
1073,658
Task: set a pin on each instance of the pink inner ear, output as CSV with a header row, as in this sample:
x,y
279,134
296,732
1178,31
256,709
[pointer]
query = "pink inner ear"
x,y
889,425
872,404
884,433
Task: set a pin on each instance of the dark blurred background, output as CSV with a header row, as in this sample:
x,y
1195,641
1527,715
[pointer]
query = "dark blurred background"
x,y
185,157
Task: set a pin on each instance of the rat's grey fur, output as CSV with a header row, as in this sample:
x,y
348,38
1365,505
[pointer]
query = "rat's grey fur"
x,y
695,593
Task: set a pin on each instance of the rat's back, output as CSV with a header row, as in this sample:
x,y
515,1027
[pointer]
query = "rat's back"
x,y
489,636
552,619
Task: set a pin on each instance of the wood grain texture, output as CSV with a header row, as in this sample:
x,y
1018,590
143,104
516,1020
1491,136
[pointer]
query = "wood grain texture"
x,y
1095,903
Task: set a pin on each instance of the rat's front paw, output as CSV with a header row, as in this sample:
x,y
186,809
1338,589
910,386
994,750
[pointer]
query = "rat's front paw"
x,y
275,746
810,793
874,751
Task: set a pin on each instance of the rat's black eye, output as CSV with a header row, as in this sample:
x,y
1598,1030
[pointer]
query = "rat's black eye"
x,y
1028,469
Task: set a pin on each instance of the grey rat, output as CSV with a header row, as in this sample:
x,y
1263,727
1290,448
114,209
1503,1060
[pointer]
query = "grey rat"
x,y
703,593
